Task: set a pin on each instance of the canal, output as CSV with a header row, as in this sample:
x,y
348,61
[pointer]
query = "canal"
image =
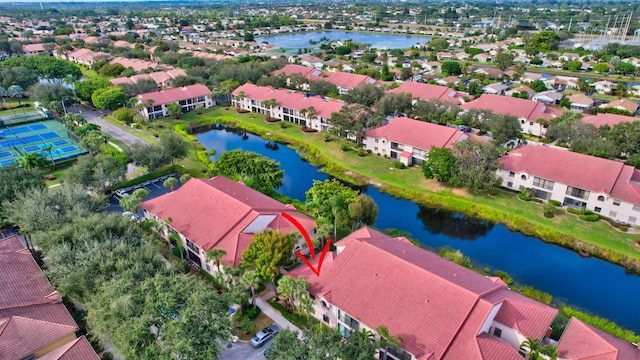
x,y
588,284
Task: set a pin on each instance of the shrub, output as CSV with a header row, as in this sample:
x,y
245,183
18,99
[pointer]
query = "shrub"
x,y
543,297
362,152
549,210
306,129
524,197
177,250
589,217
107,356
326,137
344,147
574,211
252,313
555,202
398,165
284,125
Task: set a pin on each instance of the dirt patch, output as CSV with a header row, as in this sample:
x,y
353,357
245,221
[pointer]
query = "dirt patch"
x,y
460,192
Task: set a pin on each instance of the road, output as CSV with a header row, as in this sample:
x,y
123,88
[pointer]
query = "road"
x,y
93,117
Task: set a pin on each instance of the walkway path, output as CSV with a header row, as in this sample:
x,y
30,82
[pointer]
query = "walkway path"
x,y
274,314
94,117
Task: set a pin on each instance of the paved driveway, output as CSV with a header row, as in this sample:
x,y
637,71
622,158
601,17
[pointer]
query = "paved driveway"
x,y
243,351
93,116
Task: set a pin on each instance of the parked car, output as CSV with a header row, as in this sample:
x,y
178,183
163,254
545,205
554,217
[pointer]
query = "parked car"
x,y
264,335
464,128
129,215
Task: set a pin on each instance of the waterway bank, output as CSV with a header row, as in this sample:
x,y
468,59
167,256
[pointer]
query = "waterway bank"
x,y
605,243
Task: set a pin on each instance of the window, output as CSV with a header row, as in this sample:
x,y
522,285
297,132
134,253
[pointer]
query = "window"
x,y
208,267
375,148
577,192
512,174
523,177
377,141
597,209
530,123
600,198
325,318
636,207
324,304
543,183
632,219
613,213
521,121
616,202
509,184
497,332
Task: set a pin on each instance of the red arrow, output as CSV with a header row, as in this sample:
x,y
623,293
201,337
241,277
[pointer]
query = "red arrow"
x,y
306,236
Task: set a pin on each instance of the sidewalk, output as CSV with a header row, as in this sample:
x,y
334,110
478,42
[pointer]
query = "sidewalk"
x,y
273,314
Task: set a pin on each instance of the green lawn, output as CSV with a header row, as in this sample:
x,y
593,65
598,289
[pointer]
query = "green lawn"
x,y
504,208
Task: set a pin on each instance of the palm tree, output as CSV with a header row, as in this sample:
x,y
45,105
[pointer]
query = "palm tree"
x,y
216,255
387,340
15,91
270,104
49,149
534,347
551,351
170,183
251,280
32,161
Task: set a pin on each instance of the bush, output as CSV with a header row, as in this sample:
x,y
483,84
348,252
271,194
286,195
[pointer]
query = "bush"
x,y
326,137
284,125
344,147
589,217
528,291
107,356
306,129
555,202
252,313
549,210
398,165
362,152
177,251
524,197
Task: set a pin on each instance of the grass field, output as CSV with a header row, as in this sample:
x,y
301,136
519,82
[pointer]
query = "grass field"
x,y
504,208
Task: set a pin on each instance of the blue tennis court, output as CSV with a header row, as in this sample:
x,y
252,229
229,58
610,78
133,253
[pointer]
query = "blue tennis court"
x,y
9,143
44,146
4,154
40,137
23,129
70,148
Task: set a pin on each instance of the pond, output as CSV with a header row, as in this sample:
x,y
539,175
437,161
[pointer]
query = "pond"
x,y
294,41
589,284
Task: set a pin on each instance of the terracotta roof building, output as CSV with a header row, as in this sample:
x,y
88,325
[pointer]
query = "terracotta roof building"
x,y
580,102
220,213
607,187
429,92
164,79
36,49
409,141
582,341
441,310
33,319
527,111
608,119
311,111
189,97
138,65
308,73
346,81
622,104
84,56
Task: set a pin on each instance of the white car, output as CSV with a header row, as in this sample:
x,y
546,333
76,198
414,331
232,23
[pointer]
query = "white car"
x,y
264,335
130,215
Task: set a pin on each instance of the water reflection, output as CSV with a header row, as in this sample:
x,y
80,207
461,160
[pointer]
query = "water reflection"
x,y
450,224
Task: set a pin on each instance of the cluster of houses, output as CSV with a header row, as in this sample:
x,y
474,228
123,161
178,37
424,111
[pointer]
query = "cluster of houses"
x,y
440,309
34,321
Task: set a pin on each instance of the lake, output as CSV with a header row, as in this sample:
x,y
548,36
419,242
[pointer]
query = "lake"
x,y
588,284
294,41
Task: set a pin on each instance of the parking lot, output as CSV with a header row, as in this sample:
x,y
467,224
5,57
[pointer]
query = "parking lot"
x,y
154,187
243,351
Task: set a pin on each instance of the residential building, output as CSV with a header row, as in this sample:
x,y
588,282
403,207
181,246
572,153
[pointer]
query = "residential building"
x,y
139,65
550,97
163,79
189,97
34,322
302,109
529,77
496,89
561,82
441,310
607,187
444,56
346,81
581,341
622,104
308,73
36,49
528,112
429,92
608,119
221,213
603,86
580,102
448,80
409,141
83,56
520,89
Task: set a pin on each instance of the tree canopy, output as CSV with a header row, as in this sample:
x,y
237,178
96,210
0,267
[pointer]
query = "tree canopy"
x,y
268,251
256,171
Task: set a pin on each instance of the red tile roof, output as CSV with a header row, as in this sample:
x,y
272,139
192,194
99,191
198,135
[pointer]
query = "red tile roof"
x,y
33,47
581,341
308,72
608,119
435,293
290,99
520,108
138,64
157,76
417,133
174,95
622,104
350,81
20,337
79,349
583,171
217,213
429,92
492,348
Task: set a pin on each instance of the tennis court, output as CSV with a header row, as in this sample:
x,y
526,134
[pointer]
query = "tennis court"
x,y
48,138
